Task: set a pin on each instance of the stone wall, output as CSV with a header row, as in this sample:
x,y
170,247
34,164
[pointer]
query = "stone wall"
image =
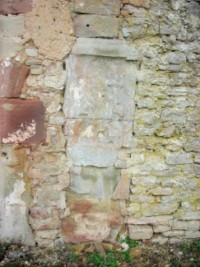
x,y
117,149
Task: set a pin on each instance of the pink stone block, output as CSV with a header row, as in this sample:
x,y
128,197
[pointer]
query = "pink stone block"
x,y
15,6
12,78
21,121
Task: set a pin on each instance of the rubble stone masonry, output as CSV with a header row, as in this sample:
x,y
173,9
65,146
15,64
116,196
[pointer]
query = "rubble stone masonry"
x,y
100,120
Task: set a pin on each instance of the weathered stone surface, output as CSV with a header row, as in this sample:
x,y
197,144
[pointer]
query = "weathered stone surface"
x,y
22,121
156,220
96,142
160,209
99,7
107,80
98,183
179,158
161,228
140,3
105,48
140,232
11,25
12,78
161,191
186,225
15,6
9,47
191,216
96,26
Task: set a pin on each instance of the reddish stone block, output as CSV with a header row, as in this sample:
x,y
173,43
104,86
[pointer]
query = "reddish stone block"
x,y
15,6
12,78
21,121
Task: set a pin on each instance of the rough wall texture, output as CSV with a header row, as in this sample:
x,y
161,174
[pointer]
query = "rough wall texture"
x,y
120,84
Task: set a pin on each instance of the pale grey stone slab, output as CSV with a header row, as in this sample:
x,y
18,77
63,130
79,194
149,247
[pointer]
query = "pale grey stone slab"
x,y
11,25
99,7
98,183
105,48
82,154
99,88
96,26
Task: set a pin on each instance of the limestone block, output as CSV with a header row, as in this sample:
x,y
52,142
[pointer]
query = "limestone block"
x,y
174,58
96,26
99,7
15,6
197,158
140,232
55,76
192,144
100,88
161,228
191,216
160,209
159,191
12,78
105,48
186,225
174,233
179,158
22,121
98,183
11,25
173,115
140,3
192,234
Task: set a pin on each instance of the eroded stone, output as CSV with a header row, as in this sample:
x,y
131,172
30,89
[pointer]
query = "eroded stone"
x,y
22,121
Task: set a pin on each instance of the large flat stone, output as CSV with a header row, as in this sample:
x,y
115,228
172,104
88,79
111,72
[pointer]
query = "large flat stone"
x,y
15,6
12,78
99,88
22,121
96,26
99,7
12,25
105,48
9,46
98,183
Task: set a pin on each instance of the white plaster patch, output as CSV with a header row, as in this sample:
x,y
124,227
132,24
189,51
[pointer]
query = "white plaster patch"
x,y
88,132
25,132
15,197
